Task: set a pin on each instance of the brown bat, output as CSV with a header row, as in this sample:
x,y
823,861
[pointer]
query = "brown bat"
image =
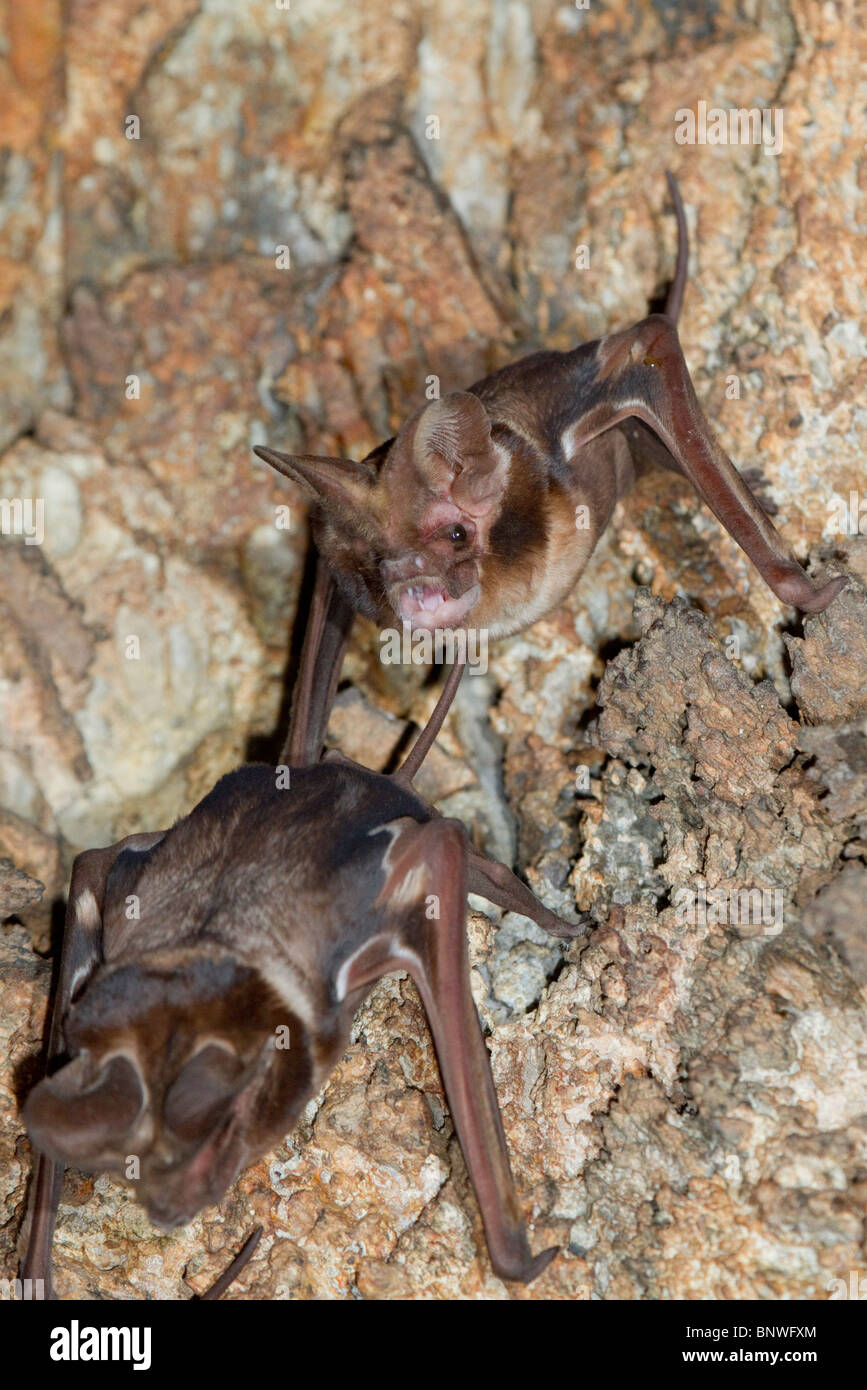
x,y
191,1036
486,506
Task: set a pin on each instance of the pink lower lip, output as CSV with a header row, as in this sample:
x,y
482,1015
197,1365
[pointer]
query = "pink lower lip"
x,y
428,606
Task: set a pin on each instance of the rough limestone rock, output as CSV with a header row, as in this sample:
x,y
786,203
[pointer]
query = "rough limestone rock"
x,y
223,225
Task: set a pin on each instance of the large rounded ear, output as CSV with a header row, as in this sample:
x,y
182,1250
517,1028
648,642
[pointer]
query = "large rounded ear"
x,y
340,483
83,1113
203,1091
448,447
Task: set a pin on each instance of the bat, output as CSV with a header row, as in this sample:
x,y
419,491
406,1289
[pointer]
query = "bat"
x,y
191,1036
485,507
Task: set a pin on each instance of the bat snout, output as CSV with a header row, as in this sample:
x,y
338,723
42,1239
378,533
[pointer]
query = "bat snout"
x,y
402,568
166,1216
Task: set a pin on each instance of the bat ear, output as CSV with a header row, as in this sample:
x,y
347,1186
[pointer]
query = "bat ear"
x,y
213,1113
203,1090
449,445
81,1113
338,482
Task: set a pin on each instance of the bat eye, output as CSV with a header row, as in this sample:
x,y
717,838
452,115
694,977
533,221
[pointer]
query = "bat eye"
x,y
457,535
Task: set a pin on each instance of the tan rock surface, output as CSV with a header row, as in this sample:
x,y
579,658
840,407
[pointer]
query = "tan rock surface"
x,y
684,1101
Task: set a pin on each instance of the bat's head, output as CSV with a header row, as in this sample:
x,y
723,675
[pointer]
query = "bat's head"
x,y
406,532
184,1067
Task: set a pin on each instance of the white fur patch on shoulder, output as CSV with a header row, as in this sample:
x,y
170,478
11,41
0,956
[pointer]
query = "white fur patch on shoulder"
x,y
289,984
411,887
413,883
341,983
87,909
399,956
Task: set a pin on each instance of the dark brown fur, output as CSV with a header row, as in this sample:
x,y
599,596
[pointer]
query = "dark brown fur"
x,y
211,972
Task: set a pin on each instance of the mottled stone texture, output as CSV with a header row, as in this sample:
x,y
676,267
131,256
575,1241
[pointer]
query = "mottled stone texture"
x,y
685,1100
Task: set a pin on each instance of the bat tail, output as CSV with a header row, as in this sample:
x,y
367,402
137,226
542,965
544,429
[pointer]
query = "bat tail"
x,y
678,284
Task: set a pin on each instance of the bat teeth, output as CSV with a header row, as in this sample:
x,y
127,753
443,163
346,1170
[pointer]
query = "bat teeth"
x,y
427,597
426,602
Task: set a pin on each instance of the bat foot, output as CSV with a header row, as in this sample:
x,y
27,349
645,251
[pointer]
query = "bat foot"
x,y
492,880
558,926
823,597
795,588
541,1262
529,1269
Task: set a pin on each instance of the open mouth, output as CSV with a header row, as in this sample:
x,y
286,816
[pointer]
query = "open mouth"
x,y
426,604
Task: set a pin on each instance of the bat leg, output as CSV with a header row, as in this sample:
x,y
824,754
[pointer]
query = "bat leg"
x,y
248,1249
641,374
424,899
420,749
44,1199
492,880
82,953
487,877
674,301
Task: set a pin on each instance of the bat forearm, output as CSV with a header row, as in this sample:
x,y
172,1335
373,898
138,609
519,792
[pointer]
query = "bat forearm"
x,y
641,374
325,638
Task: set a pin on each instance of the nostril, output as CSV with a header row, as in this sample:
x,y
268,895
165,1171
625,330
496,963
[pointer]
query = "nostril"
x,y
395,571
